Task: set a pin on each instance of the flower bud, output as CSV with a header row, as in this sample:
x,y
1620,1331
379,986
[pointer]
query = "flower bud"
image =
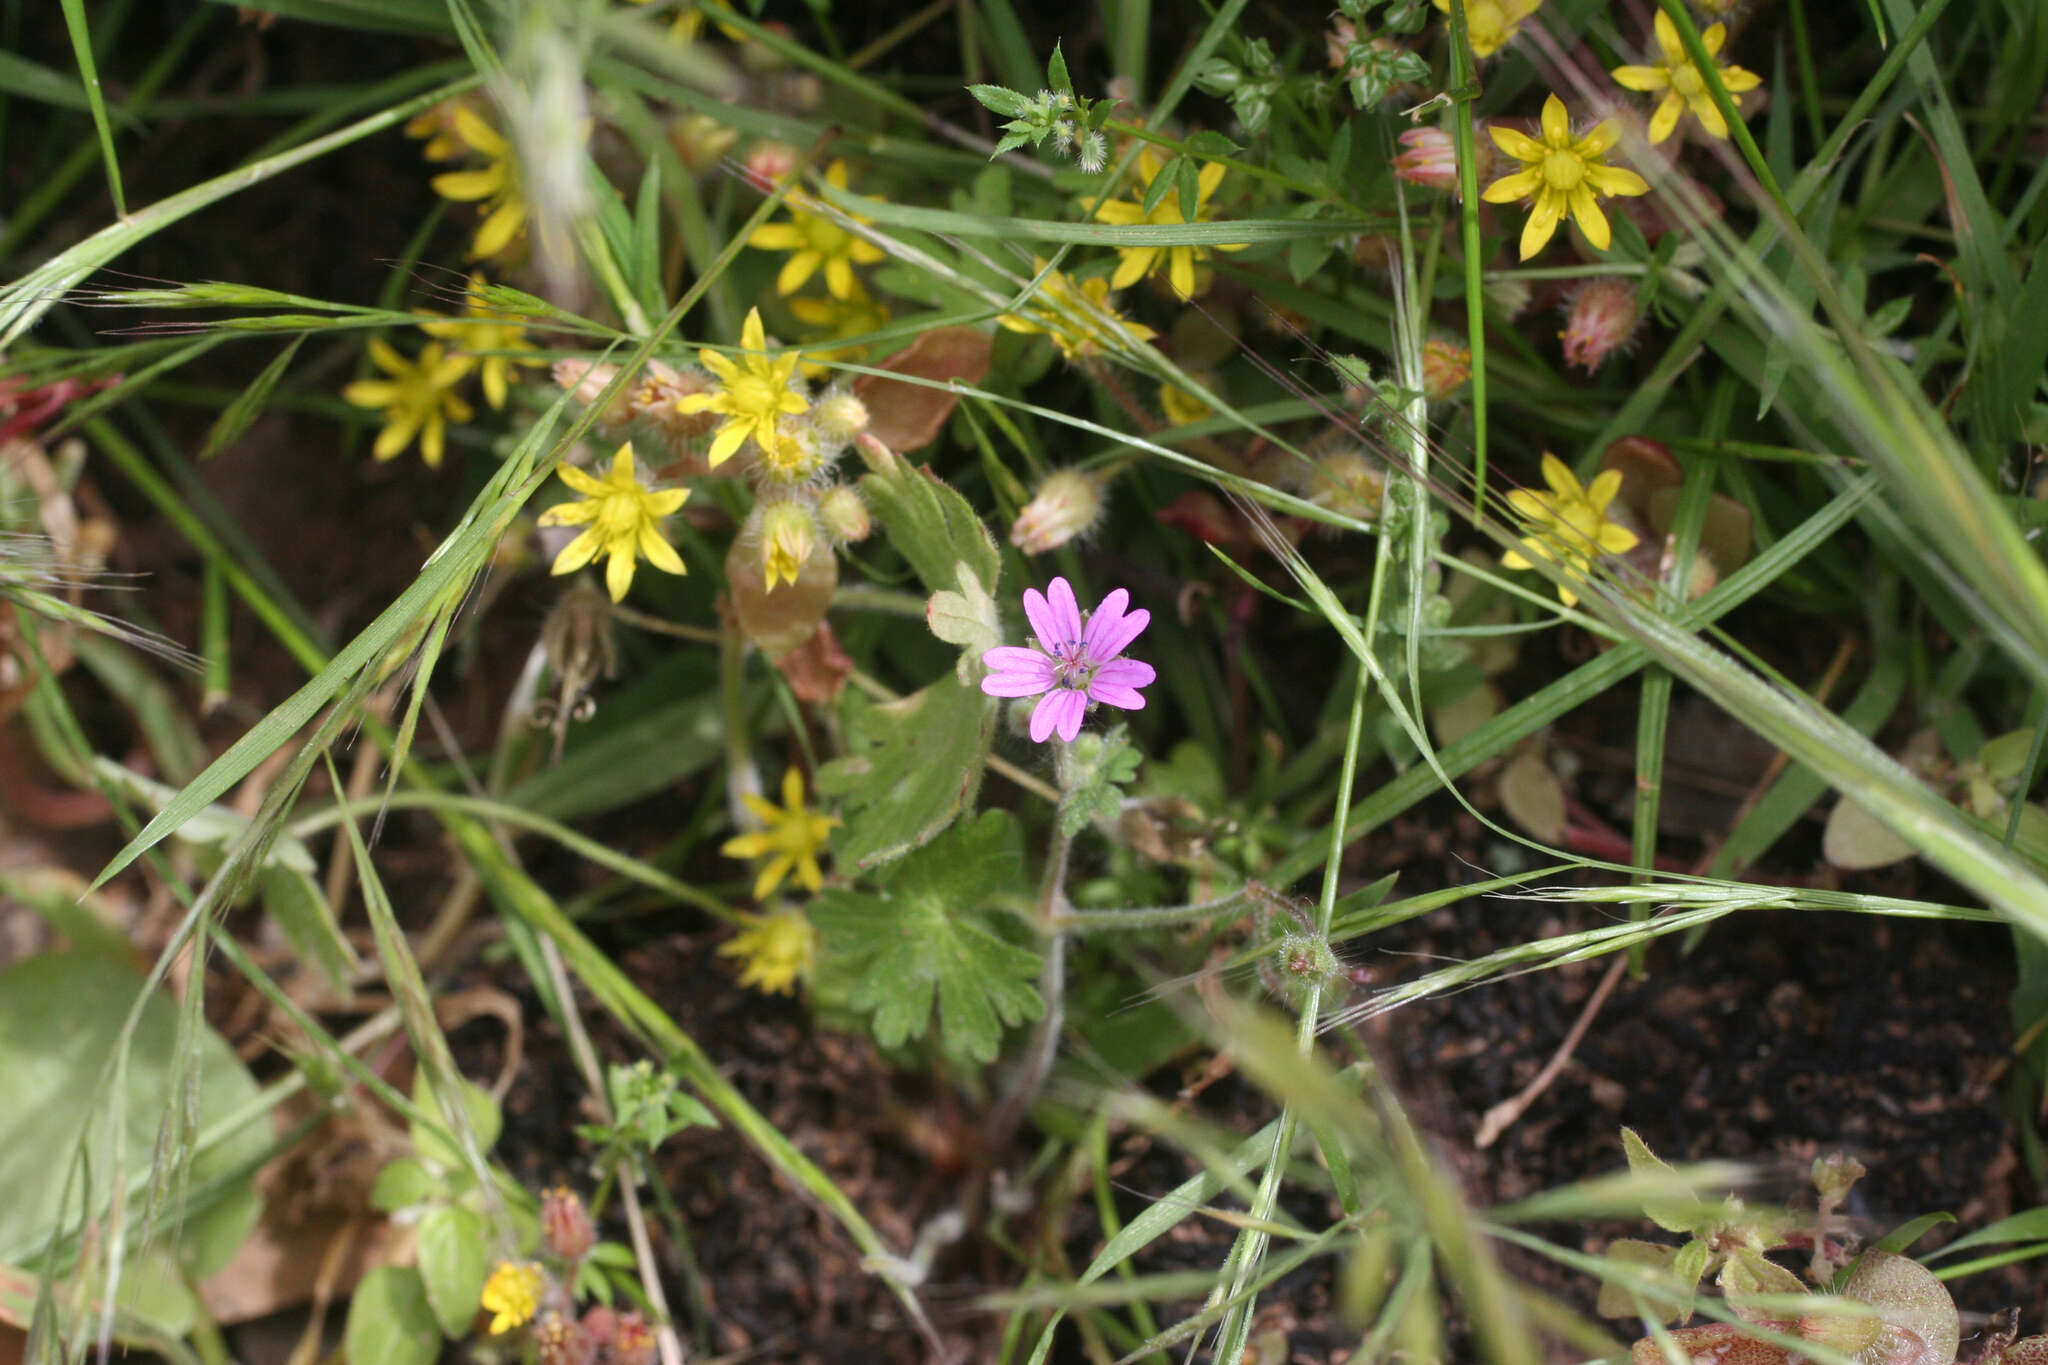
x,y
1445,367
769,163
845,516
561,1341
788,535
840,416
586,381
565,1227
1067,504
1602,320
700,140
632,1341
877,457
1428,157
1508,297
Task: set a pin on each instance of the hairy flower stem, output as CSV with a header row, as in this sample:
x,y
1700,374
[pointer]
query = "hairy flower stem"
x,y
1052,913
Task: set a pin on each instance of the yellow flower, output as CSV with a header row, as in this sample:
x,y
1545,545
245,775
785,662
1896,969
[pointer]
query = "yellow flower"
x,y
1684,84
1569,525
777,947
1565,175
792,838
436,124
816,240
788,534
855,315
491,341
753,393
418,399
512,1294
1490,24
1136,262
1079,318
497,185
623,520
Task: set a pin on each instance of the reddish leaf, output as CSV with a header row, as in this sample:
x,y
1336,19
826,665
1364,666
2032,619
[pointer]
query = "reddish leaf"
x,y
906,416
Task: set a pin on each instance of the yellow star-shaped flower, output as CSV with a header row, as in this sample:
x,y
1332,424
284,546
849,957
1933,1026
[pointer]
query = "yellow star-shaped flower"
x,y
1569,525
753,393
1134,263
1079,317
496,185
622,520
493,339
1684,84
512,1295
777,948
418,399
816,241
1564,175
791,838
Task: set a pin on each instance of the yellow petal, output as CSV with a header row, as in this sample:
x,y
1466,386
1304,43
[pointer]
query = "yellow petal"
x,y
839,282
1641,77
1669,41
396,435
433,438
570,513
622,471
1666,117
776,237
1738,80
1517,144
466,186
618,572
386,357
753,336
1180,271
668,500
795,271
1598,140
1557,124
471,128
1616,180
1206,183
577,552
1709,114
1586,213
659,552
370,393
1509,188
499,229
730,438
1559,476
1134,265
1712,38
747,845
1542,224
1601,491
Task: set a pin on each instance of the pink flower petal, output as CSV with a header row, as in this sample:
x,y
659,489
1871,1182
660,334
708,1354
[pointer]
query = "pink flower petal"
x,y
1016,684
1070,717
1066,612
1015,659
1129,698
1115,640
1126,673
1103,623
1044,623
1053,711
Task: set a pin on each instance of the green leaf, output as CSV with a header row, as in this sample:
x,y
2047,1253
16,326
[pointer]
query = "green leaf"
x,y
484,1120
1001,99
930,524
403,1183
911,768
1211,146
1056,71
1649,1260
967,618
1907,1233
922,939
390,1321
60,1019
453,1264
1103,765
1675,1212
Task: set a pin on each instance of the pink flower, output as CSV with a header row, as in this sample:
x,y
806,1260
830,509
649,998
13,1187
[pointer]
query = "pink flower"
x,y
1075,663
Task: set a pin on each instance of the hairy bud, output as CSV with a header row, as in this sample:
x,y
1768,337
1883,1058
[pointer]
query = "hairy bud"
x,y
1067,504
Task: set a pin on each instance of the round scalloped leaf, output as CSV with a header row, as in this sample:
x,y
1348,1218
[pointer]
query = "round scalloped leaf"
x,y
1922,1316
1719,1342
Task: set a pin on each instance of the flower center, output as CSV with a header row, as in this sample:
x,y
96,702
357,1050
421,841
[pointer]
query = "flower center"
x,y
1687,81
1563,170
1072,666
